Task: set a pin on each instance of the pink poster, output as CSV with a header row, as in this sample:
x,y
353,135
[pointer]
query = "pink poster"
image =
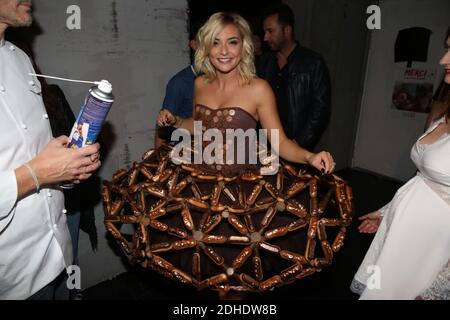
x,y
413,90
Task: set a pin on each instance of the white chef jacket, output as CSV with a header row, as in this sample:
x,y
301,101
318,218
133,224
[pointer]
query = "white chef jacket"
x,y
35,244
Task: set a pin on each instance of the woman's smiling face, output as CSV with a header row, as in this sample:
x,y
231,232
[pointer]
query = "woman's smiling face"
x,y
226,52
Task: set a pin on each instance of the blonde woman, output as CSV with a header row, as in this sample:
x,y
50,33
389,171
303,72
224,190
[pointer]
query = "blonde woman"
x,y
225,60
227,96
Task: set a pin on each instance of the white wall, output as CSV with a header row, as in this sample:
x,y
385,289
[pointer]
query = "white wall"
x,y
136,45
385,135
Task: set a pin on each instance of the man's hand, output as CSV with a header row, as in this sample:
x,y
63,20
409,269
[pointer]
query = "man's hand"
x,y
56,163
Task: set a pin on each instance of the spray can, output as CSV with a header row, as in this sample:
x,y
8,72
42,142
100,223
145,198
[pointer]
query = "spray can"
x,y
90,120
93,113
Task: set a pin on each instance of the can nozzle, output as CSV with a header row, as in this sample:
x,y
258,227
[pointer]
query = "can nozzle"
x,y
104,86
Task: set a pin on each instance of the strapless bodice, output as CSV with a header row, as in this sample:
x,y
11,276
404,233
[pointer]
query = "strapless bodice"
x,y
237,130
224,118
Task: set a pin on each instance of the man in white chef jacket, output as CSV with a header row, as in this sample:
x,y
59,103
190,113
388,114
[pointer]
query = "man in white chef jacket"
x,y
35,245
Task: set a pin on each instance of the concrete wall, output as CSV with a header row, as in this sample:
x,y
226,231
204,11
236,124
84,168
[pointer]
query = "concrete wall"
x,y
136,45
386,135
337,30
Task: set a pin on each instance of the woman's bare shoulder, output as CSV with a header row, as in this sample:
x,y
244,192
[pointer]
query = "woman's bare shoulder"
x,y
261,88
200,84
259,83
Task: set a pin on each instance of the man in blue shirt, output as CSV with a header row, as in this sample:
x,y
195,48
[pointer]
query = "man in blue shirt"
x,y
179,96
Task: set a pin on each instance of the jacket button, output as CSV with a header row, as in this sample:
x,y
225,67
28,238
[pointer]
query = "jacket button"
x,y
45,116
2,88
24,126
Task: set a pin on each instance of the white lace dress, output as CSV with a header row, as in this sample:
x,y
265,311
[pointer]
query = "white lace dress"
x,y
411,248
440,289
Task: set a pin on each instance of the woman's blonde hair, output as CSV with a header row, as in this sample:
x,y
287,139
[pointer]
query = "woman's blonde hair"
x,y
205,39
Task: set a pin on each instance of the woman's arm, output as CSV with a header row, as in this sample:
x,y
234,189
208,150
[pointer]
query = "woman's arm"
x,y
287,149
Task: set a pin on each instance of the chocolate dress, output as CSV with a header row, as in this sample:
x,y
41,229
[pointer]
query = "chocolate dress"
x,y
227,226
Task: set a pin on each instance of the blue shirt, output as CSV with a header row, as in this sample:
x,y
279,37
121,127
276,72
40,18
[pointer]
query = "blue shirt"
x,y
180,92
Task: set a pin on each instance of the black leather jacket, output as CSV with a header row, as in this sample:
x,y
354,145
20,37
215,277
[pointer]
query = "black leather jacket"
x,y
307,111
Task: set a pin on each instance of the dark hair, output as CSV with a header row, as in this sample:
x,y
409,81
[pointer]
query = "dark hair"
x,y
285,15
446,89
446,97
193,29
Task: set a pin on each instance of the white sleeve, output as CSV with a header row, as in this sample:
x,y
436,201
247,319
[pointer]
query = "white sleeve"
x,y
8,197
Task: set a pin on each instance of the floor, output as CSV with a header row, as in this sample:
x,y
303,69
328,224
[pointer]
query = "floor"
x,y
370,192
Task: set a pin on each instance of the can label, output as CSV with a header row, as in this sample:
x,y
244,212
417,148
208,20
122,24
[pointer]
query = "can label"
x,y
89,121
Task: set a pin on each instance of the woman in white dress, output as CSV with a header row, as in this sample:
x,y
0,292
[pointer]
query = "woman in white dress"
x,y
408,257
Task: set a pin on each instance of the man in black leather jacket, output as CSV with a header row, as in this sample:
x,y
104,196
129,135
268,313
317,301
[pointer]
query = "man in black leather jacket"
x,y
299,78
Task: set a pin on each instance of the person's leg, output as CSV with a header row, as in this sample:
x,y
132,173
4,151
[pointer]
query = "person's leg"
x,y
61,291
55,290
46,293
73,223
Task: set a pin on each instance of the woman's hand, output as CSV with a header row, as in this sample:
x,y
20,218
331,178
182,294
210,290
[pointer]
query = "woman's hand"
x,y
323,161
370,222
166,118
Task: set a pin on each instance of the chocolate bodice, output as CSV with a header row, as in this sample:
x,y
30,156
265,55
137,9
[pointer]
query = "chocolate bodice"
x,y
222,119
